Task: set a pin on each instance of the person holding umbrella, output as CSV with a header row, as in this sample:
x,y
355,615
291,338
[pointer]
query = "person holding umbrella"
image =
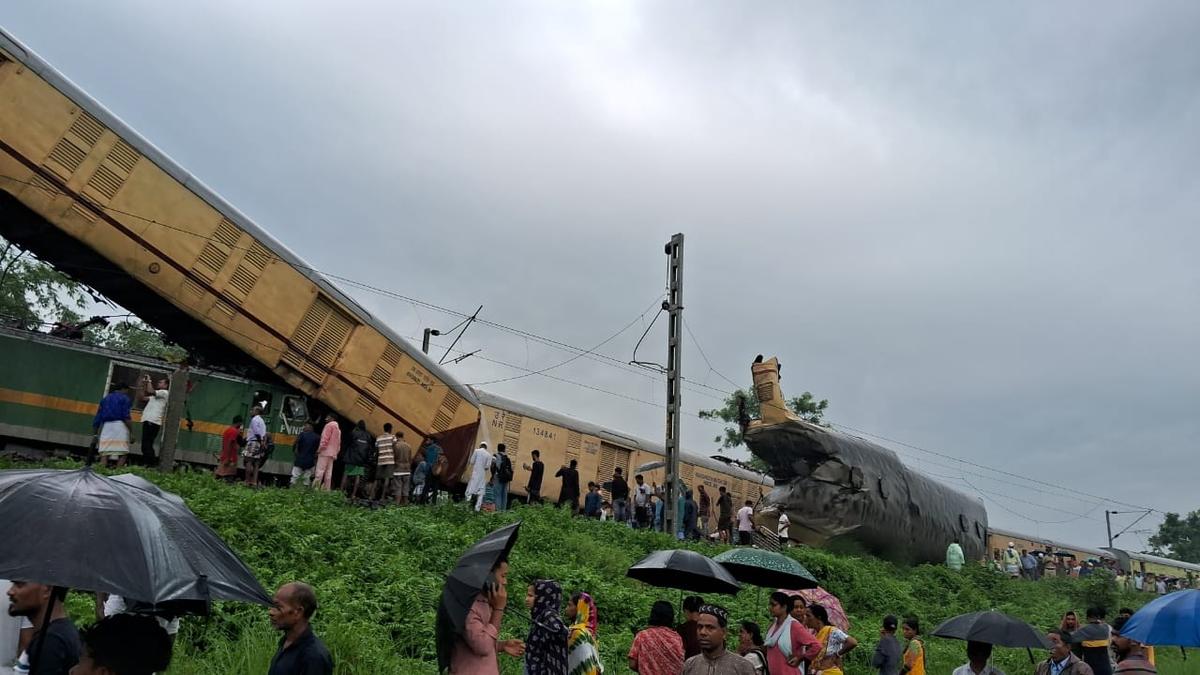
x,y
475,651
55,647
978,655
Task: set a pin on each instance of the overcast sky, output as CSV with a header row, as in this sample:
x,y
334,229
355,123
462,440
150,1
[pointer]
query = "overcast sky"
x,y
972,228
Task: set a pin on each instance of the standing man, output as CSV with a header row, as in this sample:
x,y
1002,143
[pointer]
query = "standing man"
x,y
327,452
1094,639
714,659
300,652
620,496
231,447
568,493
113,425
255,451
887,651
154,404
305,457
62,648
502,475
690,514
481,459
705,511
641,502
1028,565
689,629
745,518
437,466
403,477
385,461
534,487
784,524
978,655
1061,661
1131,654
357,458
954,556
1012,561
592,502
725,514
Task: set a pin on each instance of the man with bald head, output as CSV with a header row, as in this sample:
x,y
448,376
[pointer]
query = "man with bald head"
x,y
300,652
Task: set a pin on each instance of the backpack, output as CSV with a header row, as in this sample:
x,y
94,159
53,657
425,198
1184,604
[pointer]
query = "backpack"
x,y
440,465
762,655
504,468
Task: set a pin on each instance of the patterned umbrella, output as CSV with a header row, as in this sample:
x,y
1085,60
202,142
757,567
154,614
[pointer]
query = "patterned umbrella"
x,y
765,568
822,597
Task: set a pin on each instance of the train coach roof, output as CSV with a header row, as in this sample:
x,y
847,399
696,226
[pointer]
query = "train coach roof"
x,y
613,436
72,91
1146,557
1097,552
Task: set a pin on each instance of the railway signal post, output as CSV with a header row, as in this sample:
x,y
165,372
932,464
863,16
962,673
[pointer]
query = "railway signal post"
x,y
674,307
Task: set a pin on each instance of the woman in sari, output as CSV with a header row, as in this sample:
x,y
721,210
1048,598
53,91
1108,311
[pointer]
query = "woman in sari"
x,y
789,644
113,426
834,642
914,651
546,646
583,653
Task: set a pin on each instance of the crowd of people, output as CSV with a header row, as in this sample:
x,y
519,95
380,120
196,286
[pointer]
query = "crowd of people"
x,y
127,639
1038,564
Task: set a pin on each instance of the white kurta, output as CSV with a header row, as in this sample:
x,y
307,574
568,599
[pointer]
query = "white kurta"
x,y
481,459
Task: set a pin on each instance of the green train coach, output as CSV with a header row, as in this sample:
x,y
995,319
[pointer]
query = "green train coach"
x,y
50,389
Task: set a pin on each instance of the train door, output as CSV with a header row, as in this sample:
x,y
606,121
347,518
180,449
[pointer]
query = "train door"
x,y
133,375
611,458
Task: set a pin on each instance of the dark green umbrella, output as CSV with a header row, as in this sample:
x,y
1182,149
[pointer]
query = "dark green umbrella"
x,y
759,567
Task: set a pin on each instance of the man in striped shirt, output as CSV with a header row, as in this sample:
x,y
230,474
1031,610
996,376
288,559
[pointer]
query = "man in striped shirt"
x,y
385,464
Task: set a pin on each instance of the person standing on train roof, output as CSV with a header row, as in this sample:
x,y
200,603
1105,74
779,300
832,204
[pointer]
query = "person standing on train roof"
x,y
954,556
385,461
642,516
255,452
502,475
402,480
725,514
327,452
113,425
481,460
620,496
154,404
705,503
568,492
533,488
305,456
231,448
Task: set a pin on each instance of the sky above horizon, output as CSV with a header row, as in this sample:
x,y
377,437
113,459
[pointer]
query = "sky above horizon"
x,y
971,228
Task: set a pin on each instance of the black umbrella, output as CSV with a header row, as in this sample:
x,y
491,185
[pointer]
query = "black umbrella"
x,y
994,628
465,583
123,535
684,570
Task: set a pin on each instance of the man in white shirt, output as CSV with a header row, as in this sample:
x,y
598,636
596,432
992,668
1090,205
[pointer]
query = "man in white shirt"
x,y
641,517
783,529
481,461
745,520
154,400
978,655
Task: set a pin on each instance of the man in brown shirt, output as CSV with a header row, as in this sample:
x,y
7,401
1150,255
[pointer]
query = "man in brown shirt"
x,y
402,478
713,658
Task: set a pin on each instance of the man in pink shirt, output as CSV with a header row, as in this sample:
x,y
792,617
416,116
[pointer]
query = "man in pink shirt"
x,y
476,649
327,451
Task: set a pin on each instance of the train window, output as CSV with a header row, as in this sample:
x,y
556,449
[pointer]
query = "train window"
x,y
294,413
962,522
978,530
856,478
882,490
262,398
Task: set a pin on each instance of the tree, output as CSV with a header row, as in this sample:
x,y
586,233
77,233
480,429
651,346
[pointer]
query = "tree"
x,y
135,337
805,405
1178,537
33,293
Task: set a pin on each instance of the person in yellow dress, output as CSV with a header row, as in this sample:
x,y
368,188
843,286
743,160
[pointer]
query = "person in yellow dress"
x,y
835,643
914,651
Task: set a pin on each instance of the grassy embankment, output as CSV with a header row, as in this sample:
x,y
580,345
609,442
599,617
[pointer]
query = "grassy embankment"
x,y
378,575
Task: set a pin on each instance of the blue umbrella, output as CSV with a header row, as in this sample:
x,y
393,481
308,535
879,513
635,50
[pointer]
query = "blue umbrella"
x,y
1172,619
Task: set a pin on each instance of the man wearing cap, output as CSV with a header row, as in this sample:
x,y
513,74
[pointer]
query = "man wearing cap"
x,y
1012,561
887,652
713,658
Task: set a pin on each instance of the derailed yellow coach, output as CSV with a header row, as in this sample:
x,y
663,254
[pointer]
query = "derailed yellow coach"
x,y
85,192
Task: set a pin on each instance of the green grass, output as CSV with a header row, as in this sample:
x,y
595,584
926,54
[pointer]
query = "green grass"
x,y
378,576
